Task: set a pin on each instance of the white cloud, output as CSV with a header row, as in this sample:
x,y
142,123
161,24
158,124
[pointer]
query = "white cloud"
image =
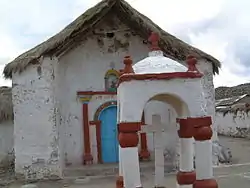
x,y
36,20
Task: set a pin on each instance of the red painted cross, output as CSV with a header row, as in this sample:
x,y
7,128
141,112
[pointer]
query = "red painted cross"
x,y
154,39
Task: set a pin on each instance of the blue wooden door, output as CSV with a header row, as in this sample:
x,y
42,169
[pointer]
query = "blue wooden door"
x,y
109,140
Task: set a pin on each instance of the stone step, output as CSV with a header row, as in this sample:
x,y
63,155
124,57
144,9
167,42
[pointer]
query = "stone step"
x,y
106,170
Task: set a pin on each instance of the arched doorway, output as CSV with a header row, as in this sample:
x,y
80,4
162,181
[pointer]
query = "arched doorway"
x,y
109,141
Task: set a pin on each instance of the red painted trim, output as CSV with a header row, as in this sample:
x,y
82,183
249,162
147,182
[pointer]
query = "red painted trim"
x,y
186,178
87,157
208,183
119,182
144,153
186,129
102,107
129,126
96,93
160,76
98,139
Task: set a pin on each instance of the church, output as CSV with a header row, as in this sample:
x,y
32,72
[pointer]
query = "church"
x,y
64,91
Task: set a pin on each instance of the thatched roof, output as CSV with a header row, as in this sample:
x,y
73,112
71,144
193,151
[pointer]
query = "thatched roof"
x,y
245,107
172,46
229,101
6,107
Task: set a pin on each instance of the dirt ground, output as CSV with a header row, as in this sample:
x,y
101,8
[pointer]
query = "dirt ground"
x,y
239,147
231,176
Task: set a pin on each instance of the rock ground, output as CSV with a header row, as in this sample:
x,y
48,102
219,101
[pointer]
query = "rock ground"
x,y
228,177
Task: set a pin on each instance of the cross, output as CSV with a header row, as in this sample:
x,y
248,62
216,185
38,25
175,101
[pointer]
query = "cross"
x,y
154,40
157,128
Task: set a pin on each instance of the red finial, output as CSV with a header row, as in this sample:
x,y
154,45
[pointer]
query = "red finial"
x,y
154,39
128,65
191,61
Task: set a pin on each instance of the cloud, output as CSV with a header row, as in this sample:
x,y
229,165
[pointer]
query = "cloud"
x,y
219,27
225,35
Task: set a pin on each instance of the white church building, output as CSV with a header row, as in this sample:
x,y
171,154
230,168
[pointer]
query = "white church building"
x,y
64,91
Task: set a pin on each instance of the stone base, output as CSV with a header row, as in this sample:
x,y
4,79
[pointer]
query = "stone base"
x,y
144,155
119,182
39,172
87,159
221,154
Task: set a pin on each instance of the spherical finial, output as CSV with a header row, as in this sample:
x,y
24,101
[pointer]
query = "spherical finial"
x,y
154,40
128,65
191,61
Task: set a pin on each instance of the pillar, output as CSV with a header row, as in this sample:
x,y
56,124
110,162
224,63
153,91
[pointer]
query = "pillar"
x,y
87,156
119,179
159,151
144,153
203,153
128,140
186,175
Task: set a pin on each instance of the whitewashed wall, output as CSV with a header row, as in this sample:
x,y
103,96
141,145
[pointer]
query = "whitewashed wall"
x,y
170,136
83,69
6,143
43,139
233,124
37,154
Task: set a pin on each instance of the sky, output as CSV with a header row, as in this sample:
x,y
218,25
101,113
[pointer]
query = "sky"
x,y
218,27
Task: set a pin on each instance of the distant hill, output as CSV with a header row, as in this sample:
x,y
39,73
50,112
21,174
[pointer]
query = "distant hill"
x,y
226,92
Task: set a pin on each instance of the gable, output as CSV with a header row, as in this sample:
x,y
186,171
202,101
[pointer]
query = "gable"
x,y
173,47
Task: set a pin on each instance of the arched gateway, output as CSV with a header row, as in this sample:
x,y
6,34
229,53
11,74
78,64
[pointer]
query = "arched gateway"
x,y
162,79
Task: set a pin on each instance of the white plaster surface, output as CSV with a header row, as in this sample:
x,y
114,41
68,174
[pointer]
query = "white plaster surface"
x,y
209,94
6,142
130,167
233,123
159,149
120,159
203,160
83,69
157,63
186,154
168,120
35,128
192,105
38,97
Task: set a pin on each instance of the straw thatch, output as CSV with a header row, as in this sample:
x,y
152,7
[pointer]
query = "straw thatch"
x,y
6,106
172,46
230,101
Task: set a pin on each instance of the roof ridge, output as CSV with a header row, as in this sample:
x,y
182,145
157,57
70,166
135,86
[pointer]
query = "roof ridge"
x,y
171,45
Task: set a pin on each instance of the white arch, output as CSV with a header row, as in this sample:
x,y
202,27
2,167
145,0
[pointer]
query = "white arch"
x,y
186,96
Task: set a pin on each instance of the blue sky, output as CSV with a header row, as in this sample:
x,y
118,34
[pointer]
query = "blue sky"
x,y
219,27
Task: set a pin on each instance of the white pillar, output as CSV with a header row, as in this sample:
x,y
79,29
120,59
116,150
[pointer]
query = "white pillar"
x,y
186,175
128,140
203,160
120,161
130,167
203,153
186,158
159,151
119,180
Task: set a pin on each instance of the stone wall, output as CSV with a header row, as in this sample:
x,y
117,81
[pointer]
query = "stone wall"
x,y
236,124
6,144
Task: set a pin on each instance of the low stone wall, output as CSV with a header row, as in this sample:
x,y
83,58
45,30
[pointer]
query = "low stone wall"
x,y
6,144
233,123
